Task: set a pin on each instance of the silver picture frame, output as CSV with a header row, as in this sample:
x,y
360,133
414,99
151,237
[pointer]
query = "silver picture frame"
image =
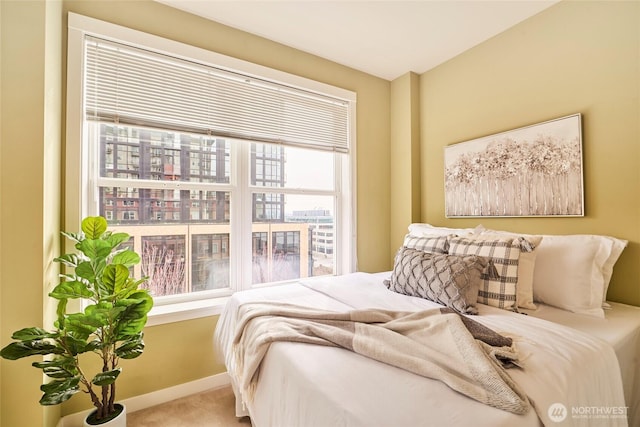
x,y
530,171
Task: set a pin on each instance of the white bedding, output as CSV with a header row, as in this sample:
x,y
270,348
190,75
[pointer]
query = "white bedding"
x,y
305,385
621,329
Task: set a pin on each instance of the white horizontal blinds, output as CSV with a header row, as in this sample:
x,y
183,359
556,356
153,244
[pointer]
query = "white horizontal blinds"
x,y
129,85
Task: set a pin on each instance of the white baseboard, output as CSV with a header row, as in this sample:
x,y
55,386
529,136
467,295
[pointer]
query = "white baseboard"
x,y
148,400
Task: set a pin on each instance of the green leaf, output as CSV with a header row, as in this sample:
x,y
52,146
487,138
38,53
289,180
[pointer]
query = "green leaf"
x,y
94,226
106,378
114,277
81,325
60,367
28,334
60,385
93,345
75,344
103,313
86,271
134,317
57,392
76,237
128,258
61,311
71,290
131,348
56,398
94,248
69,277
116,239
127,289
91,316
19,349
71,260
56,372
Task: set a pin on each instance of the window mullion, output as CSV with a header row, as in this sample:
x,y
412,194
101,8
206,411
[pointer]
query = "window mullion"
x,y
280,190
338,219
241,228
161,185
91,173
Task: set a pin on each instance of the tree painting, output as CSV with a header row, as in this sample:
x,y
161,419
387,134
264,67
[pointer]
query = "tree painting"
x,y
531,171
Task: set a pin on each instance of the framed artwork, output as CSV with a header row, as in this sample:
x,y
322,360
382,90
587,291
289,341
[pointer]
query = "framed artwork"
x,y
530,171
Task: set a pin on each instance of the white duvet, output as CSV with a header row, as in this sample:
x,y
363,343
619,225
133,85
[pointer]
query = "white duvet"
x,y
571,378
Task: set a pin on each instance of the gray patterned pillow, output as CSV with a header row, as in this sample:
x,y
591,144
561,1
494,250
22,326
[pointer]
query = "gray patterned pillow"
x,y
450,280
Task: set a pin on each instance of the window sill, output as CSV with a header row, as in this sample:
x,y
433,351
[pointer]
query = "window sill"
x,y
171,313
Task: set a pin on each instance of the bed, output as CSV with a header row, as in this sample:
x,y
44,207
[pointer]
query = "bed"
x,y
578,365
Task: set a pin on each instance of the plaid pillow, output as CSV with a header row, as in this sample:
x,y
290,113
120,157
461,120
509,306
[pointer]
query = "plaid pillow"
x,y
526,263
430,244
500,292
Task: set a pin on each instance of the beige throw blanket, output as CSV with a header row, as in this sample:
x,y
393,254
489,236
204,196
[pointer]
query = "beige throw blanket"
x,y
429,343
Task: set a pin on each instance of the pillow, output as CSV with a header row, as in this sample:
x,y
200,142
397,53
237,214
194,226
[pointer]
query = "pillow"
x,y
526,264
572,272
419,229
431,244
446,279
504,252
566,261
607,268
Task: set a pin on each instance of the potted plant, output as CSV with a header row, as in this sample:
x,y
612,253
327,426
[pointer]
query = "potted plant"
x,y
110,324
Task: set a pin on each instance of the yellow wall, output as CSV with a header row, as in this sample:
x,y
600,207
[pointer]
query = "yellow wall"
x,y
29,190
405,156
575,57
31,187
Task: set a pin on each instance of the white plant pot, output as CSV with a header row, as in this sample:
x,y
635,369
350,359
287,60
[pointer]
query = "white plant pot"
x,y
119,421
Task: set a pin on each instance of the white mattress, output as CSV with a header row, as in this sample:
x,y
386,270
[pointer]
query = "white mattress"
x,y
304,385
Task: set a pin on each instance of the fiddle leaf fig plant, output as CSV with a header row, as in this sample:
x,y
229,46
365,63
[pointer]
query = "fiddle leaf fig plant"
x,y
110,325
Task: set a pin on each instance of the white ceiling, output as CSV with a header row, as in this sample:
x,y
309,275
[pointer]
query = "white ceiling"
x,y
383,38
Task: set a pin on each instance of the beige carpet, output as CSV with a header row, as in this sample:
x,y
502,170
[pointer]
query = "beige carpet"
x,y
209,408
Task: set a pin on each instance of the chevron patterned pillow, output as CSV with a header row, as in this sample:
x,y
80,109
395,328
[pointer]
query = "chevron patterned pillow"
x,y
450,280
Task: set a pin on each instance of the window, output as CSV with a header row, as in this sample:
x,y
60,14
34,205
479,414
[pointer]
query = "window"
x,y
221,178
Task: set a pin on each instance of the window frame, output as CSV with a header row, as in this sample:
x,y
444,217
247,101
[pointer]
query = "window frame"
x,y
79,178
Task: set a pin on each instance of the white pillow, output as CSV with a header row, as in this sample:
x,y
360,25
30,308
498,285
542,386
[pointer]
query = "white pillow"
x,y
526,265
607,268
420,229
573,271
